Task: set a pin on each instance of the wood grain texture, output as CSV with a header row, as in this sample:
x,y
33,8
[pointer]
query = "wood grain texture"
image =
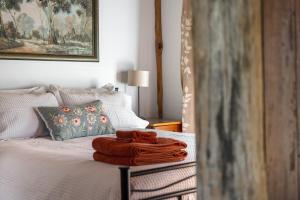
x,y
297,23
229,99
165,124
281,98
159,51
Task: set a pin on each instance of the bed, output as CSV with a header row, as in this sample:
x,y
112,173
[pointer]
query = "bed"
x,y
42,169
33,166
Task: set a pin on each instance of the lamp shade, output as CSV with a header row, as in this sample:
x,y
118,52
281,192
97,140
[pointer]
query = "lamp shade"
x,y
138,78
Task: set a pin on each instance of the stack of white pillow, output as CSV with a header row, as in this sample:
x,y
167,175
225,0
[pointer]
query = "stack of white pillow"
x,y
19,120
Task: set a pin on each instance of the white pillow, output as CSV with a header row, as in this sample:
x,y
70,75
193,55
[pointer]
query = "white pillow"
x,y
17,116
121,117
117,105
116,99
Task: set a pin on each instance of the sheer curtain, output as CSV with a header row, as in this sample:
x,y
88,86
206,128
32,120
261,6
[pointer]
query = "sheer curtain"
x,y
187,69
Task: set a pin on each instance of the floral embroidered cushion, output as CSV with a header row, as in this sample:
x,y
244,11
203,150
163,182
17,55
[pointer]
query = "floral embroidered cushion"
x,y
67,122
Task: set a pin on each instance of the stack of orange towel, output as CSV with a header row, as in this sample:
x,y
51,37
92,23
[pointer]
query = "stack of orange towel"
x,y
135,148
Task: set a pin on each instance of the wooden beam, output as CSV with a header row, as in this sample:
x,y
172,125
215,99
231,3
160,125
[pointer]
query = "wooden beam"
x,y
229,99
297,24
159,51
281,98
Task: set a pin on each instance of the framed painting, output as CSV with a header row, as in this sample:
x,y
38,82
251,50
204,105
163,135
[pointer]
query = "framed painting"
x,y
49,30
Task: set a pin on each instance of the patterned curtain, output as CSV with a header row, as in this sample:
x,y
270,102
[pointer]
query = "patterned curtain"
x,y
187,69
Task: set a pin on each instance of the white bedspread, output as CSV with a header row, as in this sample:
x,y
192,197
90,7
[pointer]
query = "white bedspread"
x,y
42,169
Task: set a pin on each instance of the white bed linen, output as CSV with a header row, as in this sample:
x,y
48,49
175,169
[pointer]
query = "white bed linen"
x,y
42,169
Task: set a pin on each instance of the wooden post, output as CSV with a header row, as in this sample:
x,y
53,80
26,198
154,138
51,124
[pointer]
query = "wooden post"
x,y
297,135
159,51
229,99
281,20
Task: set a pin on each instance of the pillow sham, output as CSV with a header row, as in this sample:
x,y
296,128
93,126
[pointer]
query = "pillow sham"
x,y
67,122
80,95
68,96
112,99
37,89
18,118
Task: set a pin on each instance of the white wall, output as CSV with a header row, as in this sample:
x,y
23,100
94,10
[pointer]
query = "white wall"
x,y
146,58
171,23
127,40
119,30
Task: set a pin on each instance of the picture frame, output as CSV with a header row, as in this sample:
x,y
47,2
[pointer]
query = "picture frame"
x,y
46,30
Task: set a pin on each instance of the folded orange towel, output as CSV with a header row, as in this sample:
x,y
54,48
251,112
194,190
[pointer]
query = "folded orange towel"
x,y
122,147
138,136
141,160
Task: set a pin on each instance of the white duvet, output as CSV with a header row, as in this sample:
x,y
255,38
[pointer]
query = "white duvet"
x,y
42,169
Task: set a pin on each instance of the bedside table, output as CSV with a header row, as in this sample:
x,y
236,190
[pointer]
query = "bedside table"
x,y
166,125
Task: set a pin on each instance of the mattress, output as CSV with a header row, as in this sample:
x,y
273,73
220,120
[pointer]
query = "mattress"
x,y
42,169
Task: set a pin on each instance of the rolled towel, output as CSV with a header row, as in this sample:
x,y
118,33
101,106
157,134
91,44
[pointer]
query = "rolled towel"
x,y
123,147
138,136
141,160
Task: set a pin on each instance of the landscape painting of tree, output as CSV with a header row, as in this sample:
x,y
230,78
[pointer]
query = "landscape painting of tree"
x,y
49,29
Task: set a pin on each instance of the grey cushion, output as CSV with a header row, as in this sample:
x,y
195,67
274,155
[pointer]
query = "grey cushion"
x,y
67,122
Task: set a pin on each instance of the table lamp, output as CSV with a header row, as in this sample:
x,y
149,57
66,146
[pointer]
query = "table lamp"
x,y
139,79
